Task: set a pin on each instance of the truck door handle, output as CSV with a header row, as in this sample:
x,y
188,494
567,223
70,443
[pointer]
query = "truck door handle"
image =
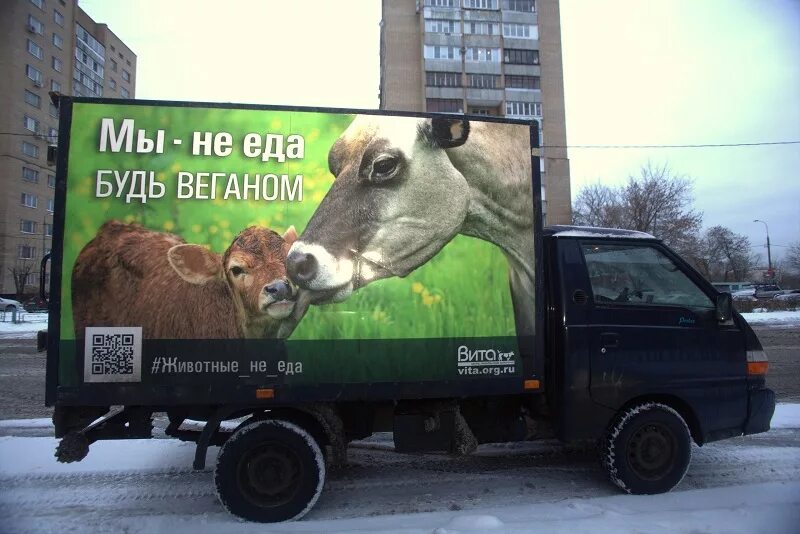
x,y
609,340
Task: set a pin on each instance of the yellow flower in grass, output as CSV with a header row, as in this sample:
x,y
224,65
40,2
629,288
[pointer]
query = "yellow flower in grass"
x,y
427,299
379,315
417,287
168,226
196,228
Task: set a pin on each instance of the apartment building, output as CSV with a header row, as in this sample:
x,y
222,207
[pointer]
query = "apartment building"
x,y
45,46
484,57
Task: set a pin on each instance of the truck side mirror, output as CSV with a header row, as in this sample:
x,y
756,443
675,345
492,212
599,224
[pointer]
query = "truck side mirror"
x,y
724,307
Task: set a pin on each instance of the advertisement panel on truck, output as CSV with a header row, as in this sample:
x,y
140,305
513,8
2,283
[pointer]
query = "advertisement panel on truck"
x,y
235,247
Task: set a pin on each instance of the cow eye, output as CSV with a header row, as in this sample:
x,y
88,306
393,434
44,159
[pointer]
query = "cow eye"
x,y
236,270
383,168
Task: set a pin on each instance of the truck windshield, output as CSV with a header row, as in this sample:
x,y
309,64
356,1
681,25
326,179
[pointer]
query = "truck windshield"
x,y
639,275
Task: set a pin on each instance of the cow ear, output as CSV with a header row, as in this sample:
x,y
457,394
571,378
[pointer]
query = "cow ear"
x,y
195,264
449,132
290,235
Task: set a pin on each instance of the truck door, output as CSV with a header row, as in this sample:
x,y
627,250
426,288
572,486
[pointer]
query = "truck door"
x,y
654,331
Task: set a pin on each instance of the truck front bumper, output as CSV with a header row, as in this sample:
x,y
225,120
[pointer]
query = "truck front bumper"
x,y
760,407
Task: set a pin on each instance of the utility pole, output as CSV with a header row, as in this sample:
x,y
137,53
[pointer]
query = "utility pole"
x,y
769,254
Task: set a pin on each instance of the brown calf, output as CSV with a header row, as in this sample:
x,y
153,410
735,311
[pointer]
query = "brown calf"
x,y
130,276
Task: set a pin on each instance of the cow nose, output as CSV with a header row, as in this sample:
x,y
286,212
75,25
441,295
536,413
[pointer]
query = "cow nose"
x,y
280,290
302,268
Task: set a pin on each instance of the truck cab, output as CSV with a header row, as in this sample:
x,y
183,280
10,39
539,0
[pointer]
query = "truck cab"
x,y
629,322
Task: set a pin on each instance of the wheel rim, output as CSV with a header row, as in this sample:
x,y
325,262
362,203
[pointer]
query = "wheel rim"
x,y
270,475
651,451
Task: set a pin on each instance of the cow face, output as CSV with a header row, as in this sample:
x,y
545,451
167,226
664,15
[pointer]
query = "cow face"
x,y
396,201
253,266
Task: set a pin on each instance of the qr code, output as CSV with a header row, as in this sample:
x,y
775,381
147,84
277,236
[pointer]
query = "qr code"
x,y
113,354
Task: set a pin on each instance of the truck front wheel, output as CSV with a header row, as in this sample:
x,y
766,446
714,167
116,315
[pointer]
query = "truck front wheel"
x,y
647,449
270,471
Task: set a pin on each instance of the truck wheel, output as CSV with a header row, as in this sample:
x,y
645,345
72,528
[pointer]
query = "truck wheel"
x,y
647,449
269,471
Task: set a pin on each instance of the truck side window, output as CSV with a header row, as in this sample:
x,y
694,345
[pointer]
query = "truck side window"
x,y
639,275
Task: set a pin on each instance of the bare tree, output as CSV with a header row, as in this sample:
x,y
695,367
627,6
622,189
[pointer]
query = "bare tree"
x,y
792,258
657,202
20,272
728,255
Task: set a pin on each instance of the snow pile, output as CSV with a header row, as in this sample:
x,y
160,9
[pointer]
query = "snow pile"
x,y
775,318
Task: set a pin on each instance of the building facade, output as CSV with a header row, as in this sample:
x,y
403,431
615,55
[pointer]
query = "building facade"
x,y
484,57
45,46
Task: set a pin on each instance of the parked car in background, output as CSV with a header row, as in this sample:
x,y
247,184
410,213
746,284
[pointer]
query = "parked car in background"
x,y
9,305
731,287
791,296
745,294
767,291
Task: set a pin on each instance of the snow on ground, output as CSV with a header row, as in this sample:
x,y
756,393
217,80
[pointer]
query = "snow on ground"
x,y
29,324
742,485
775,318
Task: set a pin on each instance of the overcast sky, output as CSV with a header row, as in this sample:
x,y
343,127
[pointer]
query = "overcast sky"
x,y
659,72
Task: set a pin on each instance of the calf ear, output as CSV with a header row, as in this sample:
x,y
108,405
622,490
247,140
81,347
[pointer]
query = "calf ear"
x,y
195,264
449,132
290,235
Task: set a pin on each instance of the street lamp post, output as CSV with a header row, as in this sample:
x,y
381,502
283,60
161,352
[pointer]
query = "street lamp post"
x,y
769,254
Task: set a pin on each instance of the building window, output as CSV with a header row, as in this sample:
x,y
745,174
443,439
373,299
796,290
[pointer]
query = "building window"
x,y
482,28
52,135
50,205
33,99
53,111
29,201
480,4
27,227
124,92
38,3
113,64
442,79
482,110
477,53
34,74
58,42
442,26
30,175
442,3
29,149
514,81
524,109
35,50
58,18
48,229
524,6
57,65
55,86
34,25
32,279
126,75
26,252
30,124
443,105
483,81
51,180
521,31
112,84
442,52
521,57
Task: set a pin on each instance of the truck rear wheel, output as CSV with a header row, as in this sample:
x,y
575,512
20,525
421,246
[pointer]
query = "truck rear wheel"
x,y
270,471
647,449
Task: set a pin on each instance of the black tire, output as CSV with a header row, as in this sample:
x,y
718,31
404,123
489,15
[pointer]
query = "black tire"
x,y
10,308
647,449
269,471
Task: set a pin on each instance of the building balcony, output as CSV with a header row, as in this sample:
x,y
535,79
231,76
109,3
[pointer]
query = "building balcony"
x,y
445,13
484,97
444,92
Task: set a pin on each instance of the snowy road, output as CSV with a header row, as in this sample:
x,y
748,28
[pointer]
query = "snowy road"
x,y
148,485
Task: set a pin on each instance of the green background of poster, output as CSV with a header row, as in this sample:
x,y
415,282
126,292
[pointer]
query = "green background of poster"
x,y
461,292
